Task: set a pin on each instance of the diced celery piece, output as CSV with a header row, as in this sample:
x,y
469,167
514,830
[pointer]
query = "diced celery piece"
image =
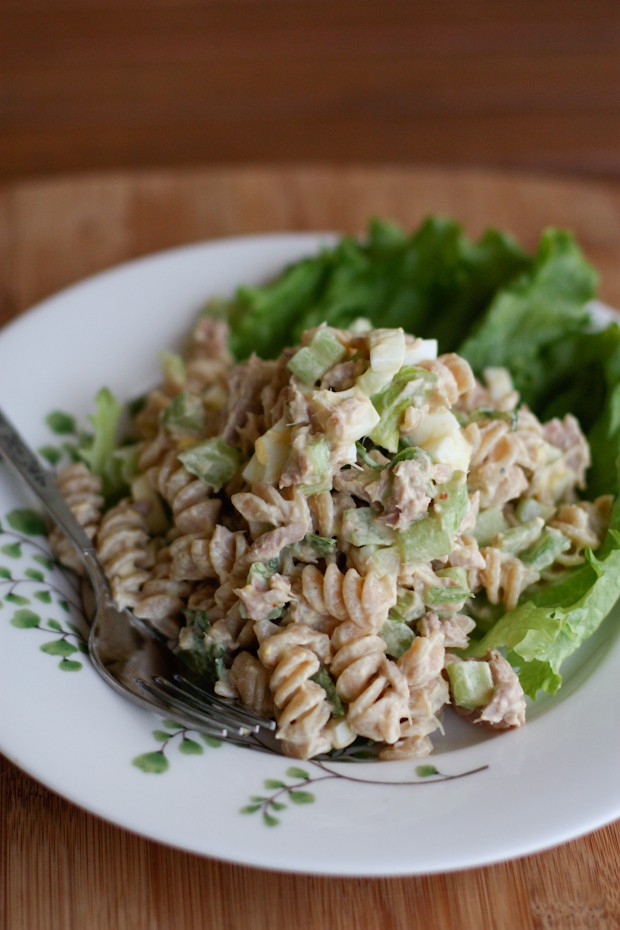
x,y
546,549
489,524
311,362
410,386
383,560
471,683
214,461
457,574
324,547
397,637
184,415
325,680
365,457
451,594
409,606
446,594
516,538
317,457
360,527
528,508
262,571
433,536
425,540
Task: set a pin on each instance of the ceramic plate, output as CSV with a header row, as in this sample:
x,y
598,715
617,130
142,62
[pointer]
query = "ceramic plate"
x,y
478,799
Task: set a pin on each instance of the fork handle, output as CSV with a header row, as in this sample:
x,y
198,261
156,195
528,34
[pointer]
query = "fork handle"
x,y
41,481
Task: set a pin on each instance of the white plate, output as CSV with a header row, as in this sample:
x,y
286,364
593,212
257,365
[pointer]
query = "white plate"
x,y
478,799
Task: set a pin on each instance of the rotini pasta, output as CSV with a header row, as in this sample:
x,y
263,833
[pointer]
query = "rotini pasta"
x,y
325,532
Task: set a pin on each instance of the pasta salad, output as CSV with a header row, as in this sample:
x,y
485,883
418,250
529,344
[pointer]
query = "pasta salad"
x,y
321,530
351,535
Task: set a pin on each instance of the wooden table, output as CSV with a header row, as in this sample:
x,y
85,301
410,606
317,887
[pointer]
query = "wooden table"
x,y
61,868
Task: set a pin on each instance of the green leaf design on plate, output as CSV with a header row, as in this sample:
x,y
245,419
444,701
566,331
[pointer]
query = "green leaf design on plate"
x,y
301,797
43,560
161,736
17,599
5,573
154,763
51,454
59,647
69,665
190,747
211,741
426,771
295,772
61,423
34,574
25,619
13,550
27,521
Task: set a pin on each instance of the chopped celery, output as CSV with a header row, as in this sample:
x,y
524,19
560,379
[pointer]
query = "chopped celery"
x,y
214,461
98,449
397,637
203,656
317,473
360,527
364,456
262,571
528,508
409,387
322,547
489,524
312,361
452,593
517,538
546,549
433,536
409,606
325,680
446,594
184,415
383,560
471,683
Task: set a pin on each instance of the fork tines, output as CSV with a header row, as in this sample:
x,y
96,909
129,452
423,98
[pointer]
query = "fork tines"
x,y
223,717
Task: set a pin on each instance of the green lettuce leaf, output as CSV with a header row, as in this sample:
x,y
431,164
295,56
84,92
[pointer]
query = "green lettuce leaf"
x,y
99,449
526,319
433,280
541,633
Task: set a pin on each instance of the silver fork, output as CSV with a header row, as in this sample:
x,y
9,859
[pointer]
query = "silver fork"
x,y
131,657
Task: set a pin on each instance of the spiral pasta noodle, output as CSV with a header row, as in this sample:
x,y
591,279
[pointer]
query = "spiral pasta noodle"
x,y
122,547
82,492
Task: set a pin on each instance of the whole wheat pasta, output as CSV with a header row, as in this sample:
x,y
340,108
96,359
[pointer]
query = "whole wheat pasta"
x,y
325,531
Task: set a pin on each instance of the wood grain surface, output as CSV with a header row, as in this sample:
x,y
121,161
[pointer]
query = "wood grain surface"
x,y
62,868
87,84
